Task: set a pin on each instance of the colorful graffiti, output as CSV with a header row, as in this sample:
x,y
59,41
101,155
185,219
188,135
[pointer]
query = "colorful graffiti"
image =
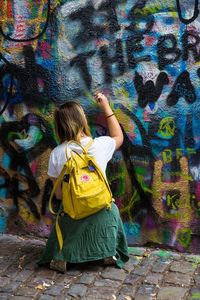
x,y
145,56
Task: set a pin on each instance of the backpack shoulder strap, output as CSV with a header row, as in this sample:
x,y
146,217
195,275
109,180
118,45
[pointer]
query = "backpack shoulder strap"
x,y
85,149
55,186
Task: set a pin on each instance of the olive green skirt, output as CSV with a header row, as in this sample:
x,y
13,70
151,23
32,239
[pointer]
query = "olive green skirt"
x,y
93,238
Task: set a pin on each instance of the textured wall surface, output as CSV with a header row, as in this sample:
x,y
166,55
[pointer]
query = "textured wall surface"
x,y
145,56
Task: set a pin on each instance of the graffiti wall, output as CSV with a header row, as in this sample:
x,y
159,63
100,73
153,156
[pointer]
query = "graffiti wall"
x,y
144,55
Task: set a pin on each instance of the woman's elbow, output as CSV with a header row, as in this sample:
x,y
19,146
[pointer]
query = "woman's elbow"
x,y
119,141
58,191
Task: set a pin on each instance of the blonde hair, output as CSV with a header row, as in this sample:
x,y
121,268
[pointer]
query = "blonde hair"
x,y
70,122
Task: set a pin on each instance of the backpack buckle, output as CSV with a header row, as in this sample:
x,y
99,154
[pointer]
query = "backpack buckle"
x,y
66,178
91,167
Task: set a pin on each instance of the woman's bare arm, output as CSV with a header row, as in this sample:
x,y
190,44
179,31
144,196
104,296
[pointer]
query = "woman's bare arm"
x,y
113,125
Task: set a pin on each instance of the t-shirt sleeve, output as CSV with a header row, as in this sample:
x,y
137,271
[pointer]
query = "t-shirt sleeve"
x,y
108,146
52,170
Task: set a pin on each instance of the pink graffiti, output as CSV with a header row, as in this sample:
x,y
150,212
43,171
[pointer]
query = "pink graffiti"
x,y
45,50
34,167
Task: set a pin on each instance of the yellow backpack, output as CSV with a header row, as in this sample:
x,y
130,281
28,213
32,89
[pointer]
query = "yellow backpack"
x,y
85,189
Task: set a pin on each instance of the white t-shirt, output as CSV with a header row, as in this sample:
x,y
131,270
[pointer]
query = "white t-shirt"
x,y
102,149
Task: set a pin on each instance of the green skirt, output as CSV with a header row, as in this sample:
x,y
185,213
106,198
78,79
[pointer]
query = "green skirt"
x,y
93,238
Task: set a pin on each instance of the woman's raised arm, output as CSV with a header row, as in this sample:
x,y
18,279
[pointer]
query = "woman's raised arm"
x,y
113,125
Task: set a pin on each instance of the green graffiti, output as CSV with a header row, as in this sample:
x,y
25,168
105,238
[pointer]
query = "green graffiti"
x,y
140,171
195,296
143,184
195,259
184,237
18,135
167,127
164,255
136,251
127,209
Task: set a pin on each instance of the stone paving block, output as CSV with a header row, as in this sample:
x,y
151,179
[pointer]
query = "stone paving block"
x,y
170,292
161,266
46,273
4,296
64,279
29,292
101,293
193,258
130,265
144,297
178,278
46,297
107,282
136,260
183,267
127,291
93,298
87,278
54,290
197,280
114,273
21,298
30,266
175,255
146,292
121,297
154,278
24,275
74,272
141,270
11,287
5,264
133,279
93,268
194,293
138,251
10,272
26,263
197,268
63,297
15,266
4,281
77,290
166,255
149,261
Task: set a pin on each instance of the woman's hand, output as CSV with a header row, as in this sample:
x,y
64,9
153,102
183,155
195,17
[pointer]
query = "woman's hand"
x,y
102,102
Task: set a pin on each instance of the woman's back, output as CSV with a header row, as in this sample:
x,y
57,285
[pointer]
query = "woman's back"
x,y
102,150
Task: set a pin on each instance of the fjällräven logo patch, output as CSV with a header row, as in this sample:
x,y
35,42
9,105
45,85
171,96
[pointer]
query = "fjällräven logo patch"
x,y
85,178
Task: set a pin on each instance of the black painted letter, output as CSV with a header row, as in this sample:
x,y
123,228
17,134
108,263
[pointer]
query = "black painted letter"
x,y
167,45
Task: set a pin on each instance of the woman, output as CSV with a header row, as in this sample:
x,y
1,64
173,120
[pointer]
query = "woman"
x,y
101,235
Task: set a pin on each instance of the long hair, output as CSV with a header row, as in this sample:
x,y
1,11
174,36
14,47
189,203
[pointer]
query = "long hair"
x,y
70,121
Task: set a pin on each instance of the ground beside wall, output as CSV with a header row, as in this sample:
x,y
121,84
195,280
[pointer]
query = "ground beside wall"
x,y
144,55
150,274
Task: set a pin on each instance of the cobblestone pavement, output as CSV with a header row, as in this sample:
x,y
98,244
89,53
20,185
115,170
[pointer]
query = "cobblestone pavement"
x,y
150,274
